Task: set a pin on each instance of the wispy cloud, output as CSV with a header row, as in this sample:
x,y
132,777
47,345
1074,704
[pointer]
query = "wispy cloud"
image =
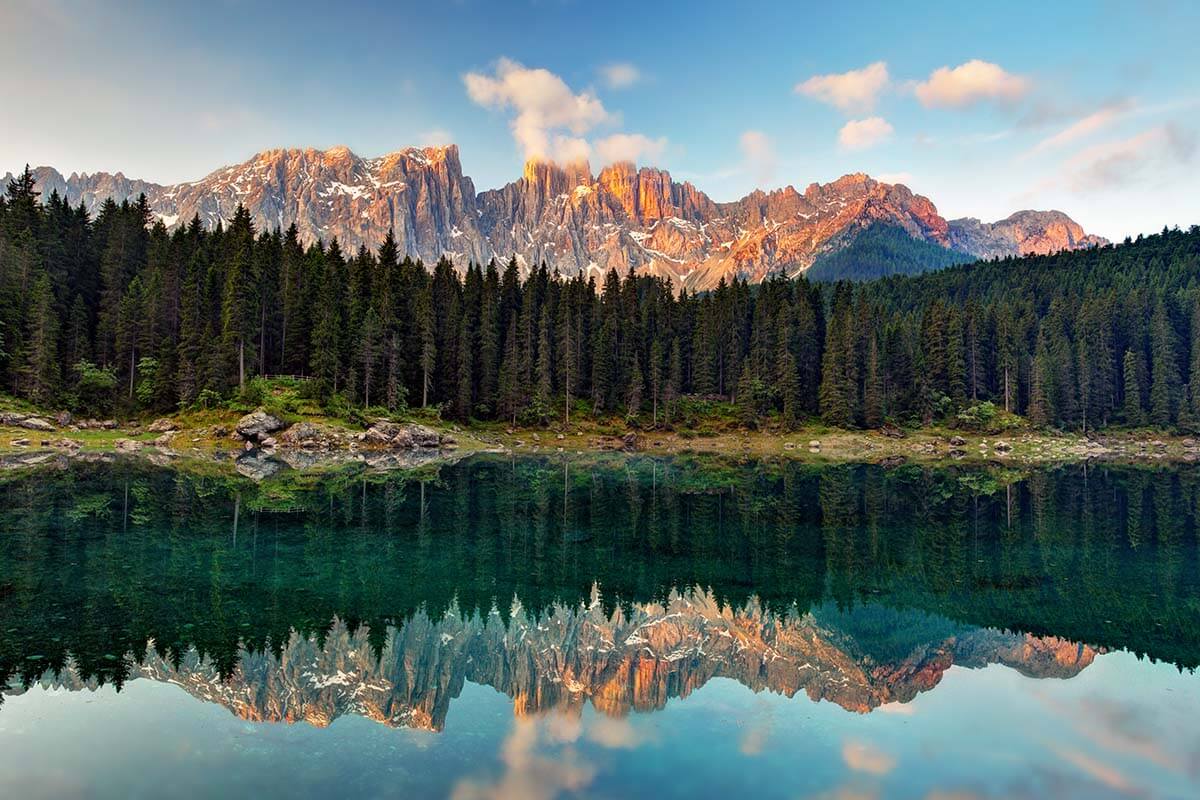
x,y
1084,127
1118,163
620,75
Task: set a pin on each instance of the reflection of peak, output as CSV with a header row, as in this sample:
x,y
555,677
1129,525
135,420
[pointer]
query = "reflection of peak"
x,y
632,660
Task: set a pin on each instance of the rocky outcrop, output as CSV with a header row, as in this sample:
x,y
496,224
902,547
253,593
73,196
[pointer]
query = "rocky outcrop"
x,y
16,419
562,215
1023,233
401,436
571,655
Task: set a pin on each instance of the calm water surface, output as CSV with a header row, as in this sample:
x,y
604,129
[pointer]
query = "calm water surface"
x,y
541,628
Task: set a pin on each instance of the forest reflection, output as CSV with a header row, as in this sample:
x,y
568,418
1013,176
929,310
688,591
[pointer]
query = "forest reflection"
x,y
620,582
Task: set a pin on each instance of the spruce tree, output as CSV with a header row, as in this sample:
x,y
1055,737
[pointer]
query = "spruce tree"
x,y
1164,370
40,378
1133,410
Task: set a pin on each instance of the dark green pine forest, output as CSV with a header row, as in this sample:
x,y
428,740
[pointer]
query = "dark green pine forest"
x,y
117,315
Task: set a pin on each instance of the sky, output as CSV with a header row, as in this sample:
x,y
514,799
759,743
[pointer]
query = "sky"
x,y
1092,108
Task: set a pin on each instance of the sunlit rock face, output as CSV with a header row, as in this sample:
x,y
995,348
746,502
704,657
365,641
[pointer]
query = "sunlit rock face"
x,y
624,218
572,655
1024,233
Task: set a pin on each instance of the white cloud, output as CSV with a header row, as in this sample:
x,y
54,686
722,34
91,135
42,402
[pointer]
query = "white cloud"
x,y
1118,163
860,134
759,152
545,107
853,92
1084,127
620,75
630,147
970,83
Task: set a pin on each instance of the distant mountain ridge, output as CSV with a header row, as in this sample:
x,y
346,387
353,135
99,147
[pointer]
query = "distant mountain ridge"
x,y
622,218
576,655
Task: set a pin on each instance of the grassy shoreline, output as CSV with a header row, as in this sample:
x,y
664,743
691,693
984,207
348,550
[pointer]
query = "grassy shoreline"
x,y
209,433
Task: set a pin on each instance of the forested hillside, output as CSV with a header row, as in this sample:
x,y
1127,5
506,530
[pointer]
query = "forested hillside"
x,y
117,314
880,251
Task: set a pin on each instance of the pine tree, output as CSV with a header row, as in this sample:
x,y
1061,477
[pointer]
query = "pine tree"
x,y
956,360
1164,370
40,376
656,378
633,397
1041,412
873,387
510,381
425,321
1133,410
789,388
368,351
674,382
568,366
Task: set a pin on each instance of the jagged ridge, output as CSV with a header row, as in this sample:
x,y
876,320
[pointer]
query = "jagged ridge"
x,y
576,654
622,218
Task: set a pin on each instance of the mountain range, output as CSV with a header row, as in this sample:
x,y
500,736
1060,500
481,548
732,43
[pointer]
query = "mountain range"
x,y
571,655
575,221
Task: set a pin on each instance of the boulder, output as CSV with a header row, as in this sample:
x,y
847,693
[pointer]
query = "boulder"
x,y
128,445
815,444
12,419
164,440
162,425
957,441
423,436
63,419
36,424
1003,447
300,434
380,434
401,437
258,425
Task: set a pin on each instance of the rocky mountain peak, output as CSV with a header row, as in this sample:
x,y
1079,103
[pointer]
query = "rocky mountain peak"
x,y
626,217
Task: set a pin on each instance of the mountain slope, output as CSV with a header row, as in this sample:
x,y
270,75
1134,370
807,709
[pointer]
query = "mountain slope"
x,y
621,218
882,250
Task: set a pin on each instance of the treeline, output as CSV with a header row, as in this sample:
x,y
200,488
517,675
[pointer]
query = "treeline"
x,y
118,313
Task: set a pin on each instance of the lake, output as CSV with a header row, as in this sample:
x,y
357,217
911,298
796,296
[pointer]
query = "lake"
x,y
600,627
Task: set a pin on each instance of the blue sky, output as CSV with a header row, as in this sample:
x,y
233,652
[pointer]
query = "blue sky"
x,y
1091,107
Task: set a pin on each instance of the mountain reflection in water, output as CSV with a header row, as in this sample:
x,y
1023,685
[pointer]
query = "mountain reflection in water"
x,y
620,584
575,655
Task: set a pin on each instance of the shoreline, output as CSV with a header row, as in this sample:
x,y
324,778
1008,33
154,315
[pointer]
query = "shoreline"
x,y
320,443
